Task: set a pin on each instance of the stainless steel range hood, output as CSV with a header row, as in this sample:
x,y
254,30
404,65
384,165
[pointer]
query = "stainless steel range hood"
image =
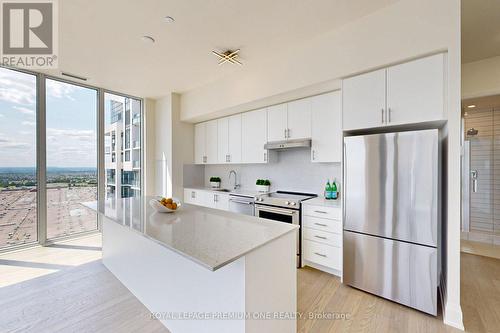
x,y
288,144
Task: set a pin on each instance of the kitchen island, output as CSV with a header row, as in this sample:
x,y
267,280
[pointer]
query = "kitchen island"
x,y
201,269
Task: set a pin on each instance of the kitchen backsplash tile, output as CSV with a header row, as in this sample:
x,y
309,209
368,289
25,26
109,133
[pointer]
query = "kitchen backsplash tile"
x,y
291,171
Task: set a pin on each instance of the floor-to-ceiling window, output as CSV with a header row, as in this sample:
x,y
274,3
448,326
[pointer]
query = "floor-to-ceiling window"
x,y
57,141
71,148
123,146
18,177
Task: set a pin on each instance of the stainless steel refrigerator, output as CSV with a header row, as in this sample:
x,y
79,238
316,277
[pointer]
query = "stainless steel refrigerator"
x,y
392,216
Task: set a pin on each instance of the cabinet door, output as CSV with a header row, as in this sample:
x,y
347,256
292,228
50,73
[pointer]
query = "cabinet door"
x,y
208,199
193,197
221,201
223,140
199,143
299,119
254,136
211,142
276,122
415,91
326,124
234,139
364,100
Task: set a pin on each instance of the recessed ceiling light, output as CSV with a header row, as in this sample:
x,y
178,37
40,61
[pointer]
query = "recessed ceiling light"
x,y
472,106
148,39
169,19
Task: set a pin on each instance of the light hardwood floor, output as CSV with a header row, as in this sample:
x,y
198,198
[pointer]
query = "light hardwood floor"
x,y
65,288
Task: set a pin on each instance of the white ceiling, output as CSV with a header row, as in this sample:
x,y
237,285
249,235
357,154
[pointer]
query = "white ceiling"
x,y
101,39
480,29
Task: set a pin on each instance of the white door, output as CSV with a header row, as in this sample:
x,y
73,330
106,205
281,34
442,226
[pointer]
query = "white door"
x,y
199,143
254,136
415,91
276,122
211,142
299,119
208,199
363,99
234,139
223,140
326,111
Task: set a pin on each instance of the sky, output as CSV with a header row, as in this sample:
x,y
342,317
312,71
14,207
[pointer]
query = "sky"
x,y
71,122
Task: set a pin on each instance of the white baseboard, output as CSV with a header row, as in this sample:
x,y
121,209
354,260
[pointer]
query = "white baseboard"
x,y
452,312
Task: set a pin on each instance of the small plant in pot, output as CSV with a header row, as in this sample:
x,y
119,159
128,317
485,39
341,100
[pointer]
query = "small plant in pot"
x,y
215,182
263,185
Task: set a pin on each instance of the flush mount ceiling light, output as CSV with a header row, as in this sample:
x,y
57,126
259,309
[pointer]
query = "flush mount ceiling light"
x,y
228,56
148,39
472,106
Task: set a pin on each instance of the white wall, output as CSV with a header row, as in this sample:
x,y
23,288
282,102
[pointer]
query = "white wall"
x,y
172,149
291,170
481,78
404,30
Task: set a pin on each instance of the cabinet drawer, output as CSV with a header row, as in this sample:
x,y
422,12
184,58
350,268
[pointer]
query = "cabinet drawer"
x,y
322,211
323,254
323,237
317,223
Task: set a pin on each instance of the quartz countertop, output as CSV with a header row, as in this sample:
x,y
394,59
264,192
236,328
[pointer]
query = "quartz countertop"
x,y
210,237
321,201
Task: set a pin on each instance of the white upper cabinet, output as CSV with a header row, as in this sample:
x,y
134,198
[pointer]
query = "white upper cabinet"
x,y
199,143
223,140
234,145
408,93
277,122
229,139
211,142
364,100
254,136
299,119
415,91
326,127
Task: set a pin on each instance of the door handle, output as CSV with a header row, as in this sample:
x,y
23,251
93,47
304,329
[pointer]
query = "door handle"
x,y
320,254
321,224
389,112
320,237
474,175
382,112
314,154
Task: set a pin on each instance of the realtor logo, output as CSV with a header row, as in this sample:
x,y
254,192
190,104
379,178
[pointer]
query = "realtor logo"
x,y
29,33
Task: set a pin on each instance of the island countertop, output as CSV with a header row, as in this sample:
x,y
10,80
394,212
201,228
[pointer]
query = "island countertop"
x,y
210,237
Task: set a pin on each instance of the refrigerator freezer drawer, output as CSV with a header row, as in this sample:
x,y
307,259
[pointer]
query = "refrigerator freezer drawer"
x,y
403,272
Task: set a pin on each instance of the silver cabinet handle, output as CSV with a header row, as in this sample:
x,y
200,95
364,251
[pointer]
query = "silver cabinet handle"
x,y
285,133
288,133
265,157
321,224
474,174
193,194
229,158
389,112
314,154
320,211
320,237
382,111
320,254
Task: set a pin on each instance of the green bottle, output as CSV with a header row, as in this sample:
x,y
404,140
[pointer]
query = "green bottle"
x,y
328,190
334,193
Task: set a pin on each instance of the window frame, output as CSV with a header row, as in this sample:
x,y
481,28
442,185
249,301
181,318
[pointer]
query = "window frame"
x,y
41,158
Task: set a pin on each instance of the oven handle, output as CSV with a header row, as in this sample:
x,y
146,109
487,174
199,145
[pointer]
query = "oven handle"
x,y
276,210
242,202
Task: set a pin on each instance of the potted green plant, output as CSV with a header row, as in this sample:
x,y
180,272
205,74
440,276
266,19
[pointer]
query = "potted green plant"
x,y
215,182
263,185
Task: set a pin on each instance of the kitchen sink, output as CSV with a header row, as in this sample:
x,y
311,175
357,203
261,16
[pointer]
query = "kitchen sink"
x,y
221,190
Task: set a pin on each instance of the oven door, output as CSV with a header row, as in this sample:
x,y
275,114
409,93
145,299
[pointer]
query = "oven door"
x,y
291,216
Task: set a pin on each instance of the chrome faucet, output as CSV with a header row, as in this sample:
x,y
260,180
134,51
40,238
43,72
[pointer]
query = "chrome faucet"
x,y
236,185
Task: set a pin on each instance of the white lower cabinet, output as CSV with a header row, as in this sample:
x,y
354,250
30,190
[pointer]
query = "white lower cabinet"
x,y
206,198
193,196
322,238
